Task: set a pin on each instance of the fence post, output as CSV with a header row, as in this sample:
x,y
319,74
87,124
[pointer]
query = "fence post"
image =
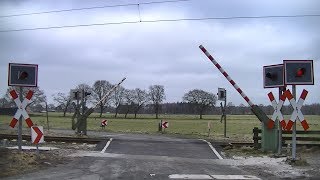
x,y
256,138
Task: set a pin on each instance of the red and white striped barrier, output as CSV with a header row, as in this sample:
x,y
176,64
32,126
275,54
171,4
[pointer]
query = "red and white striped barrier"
x,y
245,97
21,108
297,110
277,111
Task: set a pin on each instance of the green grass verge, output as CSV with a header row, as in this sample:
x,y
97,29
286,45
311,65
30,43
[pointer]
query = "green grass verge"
x,y
239,127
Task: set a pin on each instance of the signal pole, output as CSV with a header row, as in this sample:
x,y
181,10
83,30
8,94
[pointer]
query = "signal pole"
x,y
20,122
222,96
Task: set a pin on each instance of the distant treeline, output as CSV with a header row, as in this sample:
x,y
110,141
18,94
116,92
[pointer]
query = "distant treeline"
x,y
188,108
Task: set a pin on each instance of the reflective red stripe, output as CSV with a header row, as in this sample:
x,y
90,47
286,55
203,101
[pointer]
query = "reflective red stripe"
x,y
283,124
246,98
232,82
282,97
13,122
304,94
270,95
13,94
289,125
29,122
288,94
305,125
29,95
39,135
202,49
225,74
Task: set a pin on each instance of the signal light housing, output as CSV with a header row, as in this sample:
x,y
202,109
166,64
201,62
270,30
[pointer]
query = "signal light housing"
x,y
23,75
298,72
273,76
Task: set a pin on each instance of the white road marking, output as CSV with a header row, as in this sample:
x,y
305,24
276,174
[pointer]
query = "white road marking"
x,y
107,145
213,149
189,176
205,176
234,177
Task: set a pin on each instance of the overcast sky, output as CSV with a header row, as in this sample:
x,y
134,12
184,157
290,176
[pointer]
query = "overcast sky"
x,y
164,53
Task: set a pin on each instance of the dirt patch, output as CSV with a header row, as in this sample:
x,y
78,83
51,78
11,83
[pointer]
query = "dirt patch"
x,y
14,162
269,165
230,151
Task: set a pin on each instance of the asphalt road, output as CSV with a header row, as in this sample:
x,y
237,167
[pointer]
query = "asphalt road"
x,y
144,157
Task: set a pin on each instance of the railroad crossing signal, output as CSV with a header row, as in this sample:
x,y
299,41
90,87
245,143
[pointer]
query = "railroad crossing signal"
x,y
221,94
77,94
297,110
273,76
25,75
298,72
21,108
277,111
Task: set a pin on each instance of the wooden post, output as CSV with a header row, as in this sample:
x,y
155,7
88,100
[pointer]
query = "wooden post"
x,y
256,138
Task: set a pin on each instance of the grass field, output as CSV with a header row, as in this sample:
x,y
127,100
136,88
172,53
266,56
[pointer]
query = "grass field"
x,y
239,127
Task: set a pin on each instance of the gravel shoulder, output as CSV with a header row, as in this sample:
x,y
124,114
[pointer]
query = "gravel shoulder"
x,y
269,166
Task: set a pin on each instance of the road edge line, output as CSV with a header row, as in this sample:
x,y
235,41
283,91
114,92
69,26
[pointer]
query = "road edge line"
x,y
213,149
106,146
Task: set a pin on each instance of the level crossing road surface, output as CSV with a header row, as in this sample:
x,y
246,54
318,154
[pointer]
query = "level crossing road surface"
x,y
125,156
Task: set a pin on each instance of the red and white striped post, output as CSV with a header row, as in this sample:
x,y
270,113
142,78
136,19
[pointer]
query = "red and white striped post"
x,y
255,109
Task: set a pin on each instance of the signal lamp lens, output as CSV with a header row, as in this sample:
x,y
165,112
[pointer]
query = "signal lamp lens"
x,y
300,72
23,75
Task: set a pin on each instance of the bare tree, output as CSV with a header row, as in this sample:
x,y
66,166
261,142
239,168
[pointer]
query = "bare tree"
x,y
37,98
201,99
100,89
63,101
139,98
128,100
157,95
118,99
5,103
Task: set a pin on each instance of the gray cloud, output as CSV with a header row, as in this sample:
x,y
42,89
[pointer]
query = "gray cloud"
x,y
162,53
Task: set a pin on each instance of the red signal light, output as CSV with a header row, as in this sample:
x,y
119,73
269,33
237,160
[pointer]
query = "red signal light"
x,y
300,72
23,75
271,76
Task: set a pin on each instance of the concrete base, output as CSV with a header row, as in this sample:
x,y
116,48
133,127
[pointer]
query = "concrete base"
x,y
34,148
